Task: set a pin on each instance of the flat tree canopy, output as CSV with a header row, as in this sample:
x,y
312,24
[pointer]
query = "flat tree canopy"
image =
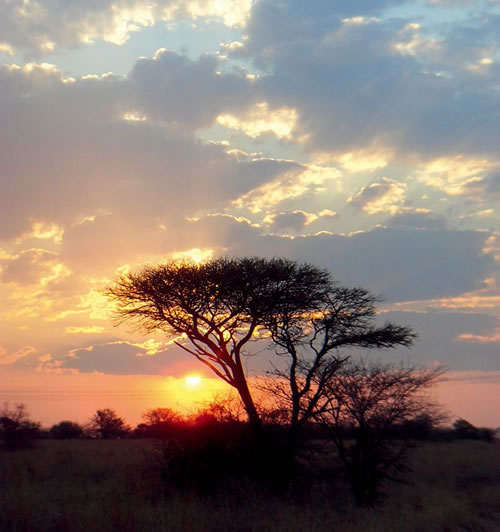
x,y
212,310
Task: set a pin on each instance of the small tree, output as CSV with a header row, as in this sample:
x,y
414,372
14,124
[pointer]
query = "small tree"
x,y
213,310
106,424
223,408
366,404
160,423
66,430
314,346
157,416
463,430
17,430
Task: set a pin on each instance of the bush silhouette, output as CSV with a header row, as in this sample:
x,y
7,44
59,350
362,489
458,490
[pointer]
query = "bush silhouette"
x,y
66,430
16,429
106,424
463,430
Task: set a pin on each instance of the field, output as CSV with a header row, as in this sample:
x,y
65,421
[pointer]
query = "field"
x,y
84,485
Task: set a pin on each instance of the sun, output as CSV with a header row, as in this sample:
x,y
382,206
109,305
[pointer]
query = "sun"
x,y
193,381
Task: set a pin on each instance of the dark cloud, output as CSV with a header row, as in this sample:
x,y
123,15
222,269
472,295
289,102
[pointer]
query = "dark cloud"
x,y
294,220
492,182
370,195
400,264
173,88
438,340
417,220
121,358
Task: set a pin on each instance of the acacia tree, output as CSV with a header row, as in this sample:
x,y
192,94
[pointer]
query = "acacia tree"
x,y
366,404
213,310
106,424
314,346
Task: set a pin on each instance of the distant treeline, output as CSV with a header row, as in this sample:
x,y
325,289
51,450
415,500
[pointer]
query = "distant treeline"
x,y
17,429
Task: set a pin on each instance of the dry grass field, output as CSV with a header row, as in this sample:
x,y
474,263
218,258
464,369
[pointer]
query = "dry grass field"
x,y
87,485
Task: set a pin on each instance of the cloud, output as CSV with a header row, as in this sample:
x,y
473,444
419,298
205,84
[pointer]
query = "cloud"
x,y
364,84
294,220
494,337
94,329
187,93
77,160
41,27
460,175
31,266
298,182
439,339
385,196
260,120
297,220
401,264
7,359
122,358
418,220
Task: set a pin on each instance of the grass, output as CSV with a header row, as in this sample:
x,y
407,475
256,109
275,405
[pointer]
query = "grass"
x,y
114,485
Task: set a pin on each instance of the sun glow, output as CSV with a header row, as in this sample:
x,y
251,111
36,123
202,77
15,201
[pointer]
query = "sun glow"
x,y
195,255
193,381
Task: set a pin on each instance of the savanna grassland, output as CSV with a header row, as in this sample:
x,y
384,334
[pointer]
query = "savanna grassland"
x,y
99,485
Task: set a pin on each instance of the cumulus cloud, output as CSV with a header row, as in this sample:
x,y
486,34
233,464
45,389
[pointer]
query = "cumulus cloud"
x,y
401,263
460,175
297,182
79,161
360,83
385,196
183,92
418,220
123,358
438,331
28,267
260,120
296,221
41,27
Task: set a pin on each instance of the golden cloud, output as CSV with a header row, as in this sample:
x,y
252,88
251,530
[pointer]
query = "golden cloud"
x,y
457,175
259,120
289,185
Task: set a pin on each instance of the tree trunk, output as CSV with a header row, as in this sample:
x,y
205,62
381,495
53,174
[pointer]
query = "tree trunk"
x,y
240,383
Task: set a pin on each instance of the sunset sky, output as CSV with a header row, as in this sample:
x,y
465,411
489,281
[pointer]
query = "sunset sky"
x,y
361,136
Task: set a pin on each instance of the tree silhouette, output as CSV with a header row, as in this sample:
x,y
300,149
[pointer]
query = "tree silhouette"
x,y
66,430
160,423
365,405
16,428
314,345
213,310
106,424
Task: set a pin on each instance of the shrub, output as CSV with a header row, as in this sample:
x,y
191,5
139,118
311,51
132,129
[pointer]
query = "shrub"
x,y
16,429
463,430
66,430
106,424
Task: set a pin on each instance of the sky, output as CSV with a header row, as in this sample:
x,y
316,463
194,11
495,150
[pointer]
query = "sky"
x,y
358,136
